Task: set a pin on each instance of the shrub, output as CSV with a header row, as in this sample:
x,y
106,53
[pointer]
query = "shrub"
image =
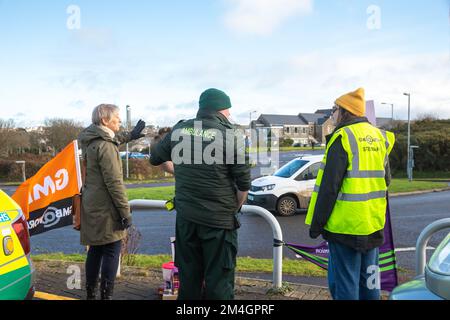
x,y
10,171
142,170
286,142
433,139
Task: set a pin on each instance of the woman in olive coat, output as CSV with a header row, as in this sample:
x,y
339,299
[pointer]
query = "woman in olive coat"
x,y
105,211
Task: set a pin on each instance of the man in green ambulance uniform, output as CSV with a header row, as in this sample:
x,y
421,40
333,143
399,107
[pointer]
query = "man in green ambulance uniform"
x,y
207,157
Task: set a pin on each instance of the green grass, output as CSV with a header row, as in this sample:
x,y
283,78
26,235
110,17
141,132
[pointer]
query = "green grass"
x,y
158,193
434,175
245,265
284,149
11,184
149,181
59,257
403,185
397,186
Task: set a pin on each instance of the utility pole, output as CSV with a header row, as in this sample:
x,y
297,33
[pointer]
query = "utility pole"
x,y
408,166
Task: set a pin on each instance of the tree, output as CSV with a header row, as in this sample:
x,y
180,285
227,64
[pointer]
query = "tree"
x,y
20,141
60,132
7,128
37,142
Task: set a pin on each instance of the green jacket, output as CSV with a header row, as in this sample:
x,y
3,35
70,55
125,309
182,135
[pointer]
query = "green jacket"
x,y
206,191
104,198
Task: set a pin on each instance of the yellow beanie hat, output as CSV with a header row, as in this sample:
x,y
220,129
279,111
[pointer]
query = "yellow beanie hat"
x,y
354,102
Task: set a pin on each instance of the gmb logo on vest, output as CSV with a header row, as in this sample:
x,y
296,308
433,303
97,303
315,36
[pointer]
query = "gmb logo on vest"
x,y
369,139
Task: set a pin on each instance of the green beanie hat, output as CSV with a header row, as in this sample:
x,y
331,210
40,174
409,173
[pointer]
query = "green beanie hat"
x,y
214,99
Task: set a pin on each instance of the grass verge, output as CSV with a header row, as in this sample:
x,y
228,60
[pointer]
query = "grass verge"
x,y
397,186
434,175
403,185
245,265
158,193
149,181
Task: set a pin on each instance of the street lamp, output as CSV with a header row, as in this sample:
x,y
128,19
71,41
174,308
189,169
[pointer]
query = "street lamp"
x,y
251,114
392,115
408,166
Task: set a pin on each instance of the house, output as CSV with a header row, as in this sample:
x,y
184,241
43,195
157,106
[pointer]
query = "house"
x,y
304,129
283,127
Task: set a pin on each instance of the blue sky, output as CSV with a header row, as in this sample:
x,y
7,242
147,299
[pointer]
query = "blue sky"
x,y
273,56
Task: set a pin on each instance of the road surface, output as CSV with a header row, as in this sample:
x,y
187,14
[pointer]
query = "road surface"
x,y
410,215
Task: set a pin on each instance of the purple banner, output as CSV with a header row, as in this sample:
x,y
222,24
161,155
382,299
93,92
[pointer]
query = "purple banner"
x,y
387,261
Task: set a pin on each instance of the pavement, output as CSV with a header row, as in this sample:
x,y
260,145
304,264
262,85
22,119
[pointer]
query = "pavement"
x,y
55,280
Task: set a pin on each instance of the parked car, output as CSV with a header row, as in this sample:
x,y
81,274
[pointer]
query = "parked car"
x,y
135,155
289,189
16,269
433,280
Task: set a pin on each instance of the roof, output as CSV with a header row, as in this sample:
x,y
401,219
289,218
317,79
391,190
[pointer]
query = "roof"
x,y
281,120
327,112
322,121
311,117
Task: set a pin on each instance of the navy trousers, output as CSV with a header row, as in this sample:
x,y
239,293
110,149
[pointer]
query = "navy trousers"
x,y
107,257
353,275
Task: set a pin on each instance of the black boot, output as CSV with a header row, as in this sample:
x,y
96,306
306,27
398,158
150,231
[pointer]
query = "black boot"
x,y
91,291
106,290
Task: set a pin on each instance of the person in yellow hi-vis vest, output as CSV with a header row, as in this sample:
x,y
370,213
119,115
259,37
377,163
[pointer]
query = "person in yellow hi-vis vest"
x,y
348,205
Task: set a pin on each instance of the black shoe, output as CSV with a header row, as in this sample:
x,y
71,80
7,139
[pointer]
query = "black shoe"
x,y
91,291
106,290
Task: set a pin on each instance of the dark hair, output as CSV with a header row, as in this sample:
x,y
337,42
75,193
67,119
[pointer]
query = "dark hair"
x,y
346,116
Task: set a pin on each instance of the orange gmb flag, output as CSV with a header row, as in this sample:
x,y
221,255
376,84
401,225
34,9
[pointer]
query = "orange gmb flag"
x,y
46,198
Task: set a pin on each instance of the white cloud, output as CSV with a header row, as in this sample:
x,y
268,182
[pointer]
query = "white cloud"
x,y
262,17
167,93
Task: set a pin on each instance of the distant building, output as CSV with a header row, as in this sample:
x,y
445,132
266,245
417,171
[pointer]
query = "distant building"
x,y
304,129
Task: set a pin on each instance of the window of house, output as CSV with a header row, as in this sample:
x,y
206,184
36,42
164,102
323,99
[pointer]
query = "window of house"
x,y
304,130
296,130
287,129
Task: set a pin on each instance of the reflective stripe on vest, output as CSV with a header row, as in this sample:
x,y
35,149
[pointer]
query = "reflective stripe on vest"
x,y
355,172
357,197
361,203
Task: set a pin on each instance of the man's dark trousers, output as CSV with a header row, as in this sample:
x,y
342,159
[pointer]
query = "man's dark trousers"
x,y
206,258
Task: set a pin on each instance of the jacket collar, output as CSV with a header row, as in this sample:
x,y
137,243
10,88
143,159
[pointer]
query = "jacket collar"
x,y
346,124
214,116
108,131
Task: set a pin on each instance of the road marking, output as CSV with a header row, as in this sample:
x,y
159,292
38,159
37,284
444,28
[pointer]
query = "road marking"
x,y
51,297
411,249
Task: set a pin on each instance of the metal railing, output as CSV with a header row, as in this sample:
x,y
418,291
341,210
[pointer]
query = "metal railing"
x,y
422,242
276,230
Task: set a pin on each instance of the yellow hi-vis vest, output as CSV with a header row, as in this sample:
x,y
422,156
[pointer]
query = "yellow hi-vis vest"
x,y
360,208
